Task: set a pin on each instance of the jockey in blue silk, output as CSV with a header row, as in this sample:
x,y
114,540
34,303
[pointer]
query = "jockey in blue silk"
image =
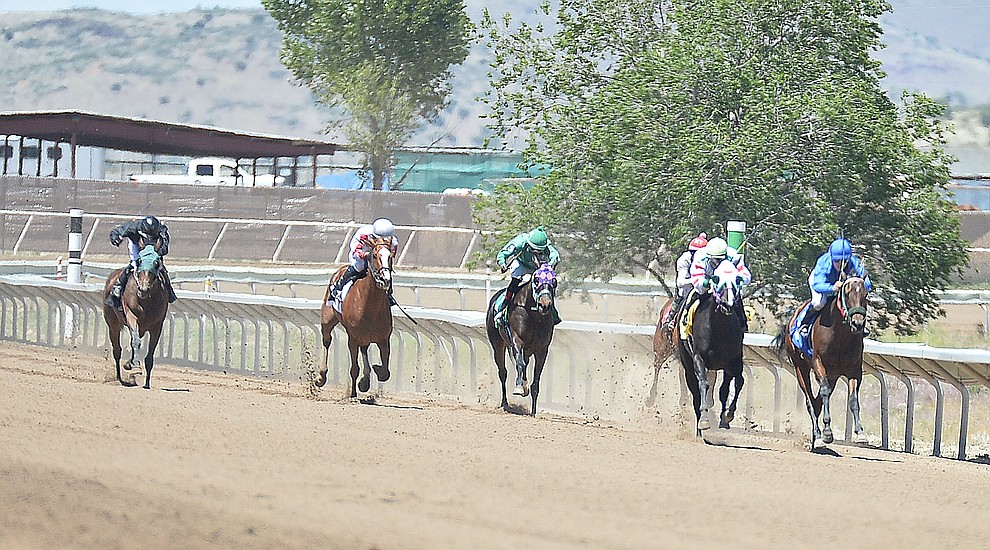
x,y
523,255
824,278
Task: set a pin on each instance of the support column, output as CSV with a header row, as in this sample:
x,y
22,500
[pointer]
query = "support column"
x,y
75,245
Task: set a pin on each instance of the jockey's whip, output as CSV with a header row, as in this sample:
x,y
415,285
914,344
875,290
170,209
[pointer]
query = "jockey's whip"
x,y
396,304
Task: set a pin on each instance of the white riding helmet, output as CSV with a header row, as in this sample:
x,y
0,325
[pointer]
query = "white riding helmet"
x,y
383,227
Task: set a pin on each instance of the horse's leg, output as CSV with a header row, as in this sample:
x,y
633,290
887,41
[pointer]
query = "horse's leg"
x,y
365,383
114,335
825,386
149,360
540,359
519,358
381,371
701,407
730,414
353,349
803,370
853,385
137,346
329,321
499,349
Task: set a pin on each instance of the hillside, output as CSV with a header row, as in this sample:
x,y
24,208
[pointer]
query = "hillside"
x,y
221,67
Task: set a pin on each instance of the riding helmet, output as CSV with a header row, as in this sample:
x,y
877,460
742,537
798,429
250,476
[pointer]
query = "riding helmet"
x,y
383,227
698,242
151,225
716,248
538,238
840,250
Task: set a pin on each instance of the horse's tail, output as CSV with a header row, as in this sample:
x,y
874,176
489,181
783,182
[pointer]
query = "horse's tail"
x,y
777,344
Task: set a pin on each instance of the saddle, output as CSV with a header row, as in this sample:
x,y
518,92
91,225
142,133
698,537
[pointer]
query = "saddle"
x,y
686,318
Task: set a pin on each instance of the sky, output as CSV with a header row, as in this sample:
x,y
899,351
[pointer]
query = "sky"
x,y
132,6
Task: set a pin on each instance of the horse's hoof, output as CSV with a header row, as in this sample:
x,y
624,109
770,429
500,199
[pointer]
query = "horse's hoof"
x,y
127,366
827,436
520,391
818,444
381,372
364,384
704,423
860,438
723,424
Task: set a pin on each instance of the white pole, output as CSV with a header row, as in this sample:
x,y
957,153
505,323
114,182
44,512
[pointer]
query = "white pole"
x,y
75,245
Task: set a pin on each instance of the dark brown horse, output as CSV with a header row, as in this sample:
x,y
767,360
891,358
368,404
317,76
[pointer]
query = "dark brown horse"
x,y
366,315
714,344
145,301
837,350
526,333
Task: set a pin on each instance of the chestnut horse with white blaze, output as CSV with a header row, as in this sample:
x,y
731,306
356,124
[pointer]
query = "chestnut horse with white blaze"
x,y
145,304
366,315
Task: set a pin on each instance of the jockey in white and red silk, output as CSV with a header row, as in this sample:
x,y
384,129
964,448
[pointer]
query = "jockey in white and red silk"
x,y
683,283
361,247
705,262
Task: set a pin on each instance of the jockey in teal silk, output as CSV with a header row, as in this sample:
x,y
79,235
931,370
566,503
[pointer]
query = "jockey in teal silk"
x,y
523,255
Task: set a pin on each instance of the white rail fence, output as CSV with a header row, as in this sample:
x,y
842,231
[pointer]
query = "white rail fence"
x,y
595,370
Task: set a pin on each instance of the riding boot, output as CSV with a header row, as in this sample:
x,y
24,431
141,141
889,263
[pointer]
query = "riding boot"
x,y
668,320
347,276
115,297
804,326
168,286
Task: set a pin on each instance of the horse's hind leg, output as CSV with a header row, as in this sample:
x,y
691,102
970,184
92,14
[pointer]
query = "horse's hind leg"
x,y
114,335
522,388
854,383
813,403
365,383
503,373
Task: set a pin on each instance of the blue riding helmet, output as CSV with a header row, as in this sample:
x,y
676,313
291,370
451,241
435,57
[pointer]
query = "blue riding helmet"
x,y
840,250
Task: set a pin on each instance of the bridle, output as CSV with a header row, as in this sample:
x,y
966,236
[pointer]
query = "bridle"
x,y
843,304
544,287
381,265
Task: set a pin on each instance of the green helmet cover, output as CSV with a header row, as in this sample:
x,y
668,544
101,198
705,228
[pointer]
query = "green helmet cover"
x,y
538,238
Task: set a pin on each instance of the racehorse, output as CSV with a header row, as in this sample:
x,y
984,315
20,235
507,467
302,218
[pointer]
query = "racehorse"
x,y
526,332
366,315
145,303
714,343
837,350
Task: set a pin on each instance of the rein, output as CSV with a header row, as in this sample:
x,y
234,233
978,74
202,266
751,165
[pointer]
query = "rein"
x,y
844,308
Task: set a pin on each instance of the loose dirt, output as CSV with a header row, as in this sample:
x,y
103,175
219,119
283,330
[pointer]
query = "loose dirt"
x,y
206,460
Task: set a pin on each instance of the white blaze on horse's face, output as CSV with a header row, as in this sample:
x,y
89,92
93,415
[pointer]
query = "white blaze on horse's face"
x,y
385,274
725,287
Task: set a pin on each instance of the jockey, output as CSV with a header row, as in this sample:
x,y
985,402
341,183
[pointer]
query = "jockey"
x,y
523,255
139,234
361,246
824,278
684,275
705,262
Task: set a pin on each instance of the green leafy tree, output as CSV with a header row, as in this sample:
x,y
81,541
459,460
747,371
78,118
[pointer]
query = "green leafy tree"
x,y
712,110
383,64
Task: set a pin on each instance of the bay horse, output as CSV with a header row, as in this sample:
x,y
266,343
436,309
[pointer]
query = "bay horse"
x,y
527,332
715,343
837,350
145,303
366,315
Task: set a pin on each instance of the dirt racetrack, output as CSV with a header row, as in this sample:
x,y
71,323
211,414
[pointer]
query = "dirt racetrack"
x,y
210,460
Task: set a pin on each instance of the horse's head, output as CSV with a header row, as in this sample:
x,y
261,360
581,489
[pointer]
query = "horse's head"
x,y
148,272
725,285
380,262
852,303
544,287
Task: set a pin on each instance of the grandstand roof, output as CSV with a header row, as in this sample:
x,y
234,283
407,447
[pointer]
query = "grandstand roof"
x,y
155,137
